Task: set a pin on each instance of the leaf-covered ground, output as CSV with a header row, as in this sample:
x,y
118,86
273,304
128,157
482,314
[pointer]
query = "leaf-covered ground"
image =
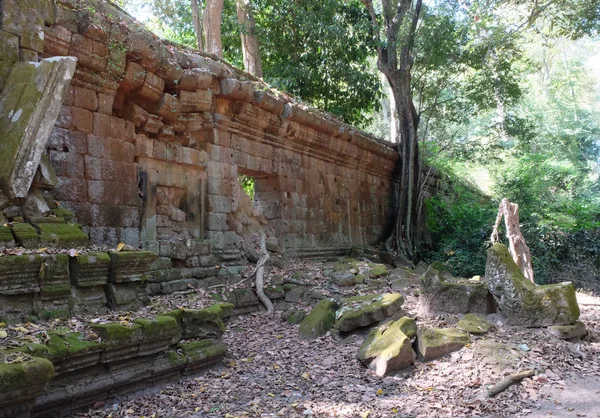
x,y
270,372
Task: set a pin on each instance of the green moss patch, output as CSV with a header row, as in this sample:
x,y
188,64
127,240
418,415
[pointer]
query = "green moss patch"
x,y
33,374
62,235
116,332
319,321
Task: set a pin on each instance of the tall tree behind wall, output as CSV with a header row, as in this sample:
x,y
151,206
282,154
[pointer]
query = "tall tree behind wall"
x,y
213,16
197,17
394,31
250,45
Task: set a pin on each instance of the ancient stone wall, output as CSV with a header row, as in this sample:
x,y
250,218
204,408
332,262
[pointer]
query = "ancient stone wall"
x,y
152,137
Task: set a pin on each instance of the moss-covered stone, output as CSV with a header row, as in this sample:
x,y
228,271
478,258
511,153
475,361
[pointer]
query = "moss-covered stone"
x,y
523,302
274,292
130,266
387,348
203,350
32,349
377,270
6,237
361,311
116,333
474,324
160,326
89,270
566,332
202,323
64,214
69,344
19,274
62,235
296,317
25,235
24,380
319,321
437,342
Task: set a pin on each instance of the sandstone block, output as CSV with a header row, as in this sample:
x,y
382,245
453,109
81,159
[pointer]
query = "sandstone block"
x,y
437,342
319,321
89,270
361,311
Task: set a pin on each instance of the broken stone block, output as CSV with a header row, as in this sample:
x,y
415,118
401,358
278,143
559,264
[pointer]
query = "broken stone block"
x,y
474,324
21,383
130,266
293,293
523,302
320,320
89,269
6,237
566,332
202,323
30,102
89,300
387,348
55,287
126,296
451,295
19,274
25,235
200,354
45,177
437,342
361,311
62,235
157,334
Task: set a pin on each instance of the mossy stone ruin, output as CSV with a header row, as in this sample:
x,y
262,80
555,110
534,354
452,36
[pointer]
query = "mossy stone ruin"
x,y
523,302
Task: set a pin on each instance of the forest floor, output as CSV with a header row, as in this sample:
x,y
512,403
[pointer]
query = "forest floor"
x,y
269,372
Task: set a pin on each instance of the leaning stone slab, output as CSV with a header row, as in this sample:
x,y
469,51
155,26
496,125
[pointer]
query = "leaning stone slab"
x,y
566,332
320,320
21,383
437,342
387,348
361,311
130,266
454,296
29,106
474,324
523,302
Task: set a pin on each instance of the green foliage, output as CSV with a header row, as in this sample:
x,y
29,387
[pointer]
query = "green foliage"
x,y
247,183
460,221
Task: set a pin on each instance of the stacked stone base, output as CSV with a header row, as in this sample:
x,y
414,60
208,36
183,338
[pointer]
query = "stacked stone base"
x,y
67,371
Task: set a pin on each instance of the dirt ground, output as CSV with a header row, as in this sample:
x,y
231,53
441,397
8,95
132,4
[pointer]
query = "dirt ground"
x,y
270,372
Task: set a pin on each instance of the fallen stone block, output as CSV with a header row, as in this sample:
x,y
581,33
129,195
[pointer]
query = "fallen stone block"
x,y
437,342
22,382
523,302
451,295
388,348
474,324
361,311
320,320
566,332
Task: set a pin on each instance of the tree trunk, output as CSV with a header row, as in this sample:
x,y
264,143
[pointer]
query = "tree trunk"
x,y
250,46
517,245
213,14
197,17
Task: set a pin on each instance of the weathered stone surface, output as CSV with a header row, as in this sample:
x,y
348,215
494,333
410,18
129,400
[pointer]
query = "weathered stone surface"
x,y
293,293
126,296
88,300
474,324
88,270
202,353
130,266
6,237
566,332
21,383
29,105
361,311
320,320
388,348
437,342
497,356
25,235
62,235
523,302
55,287
19,274
449,295
203,323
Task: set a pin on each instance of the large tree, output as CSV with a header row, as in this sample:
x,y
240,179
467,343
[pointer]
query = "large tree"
x,y
394,31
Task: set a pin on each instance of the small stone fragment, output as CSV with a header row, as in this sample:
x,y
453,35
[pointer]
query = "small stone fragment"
x,y
566,332
437,342
474,324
